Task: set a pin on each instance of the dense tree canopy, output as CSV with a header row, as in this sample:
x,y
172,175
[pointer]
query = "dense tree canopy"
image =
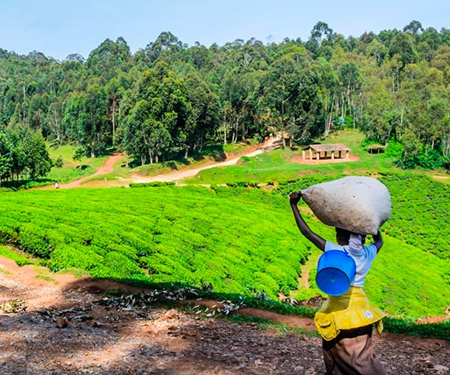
x,y
168,100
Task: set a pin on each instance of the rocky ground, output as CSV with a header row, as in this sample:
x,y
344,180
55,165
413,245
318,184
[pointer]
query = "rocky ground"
x,y
61,325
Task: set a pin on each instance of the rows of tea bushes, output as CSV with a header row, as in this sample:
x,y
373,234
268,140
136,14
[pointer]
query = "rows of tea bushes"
x,y
420,212
238,240
405,279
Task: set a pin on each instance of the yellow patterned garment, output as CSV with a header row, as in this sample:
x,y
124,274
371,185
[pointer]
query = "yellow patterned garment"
x,y
350,310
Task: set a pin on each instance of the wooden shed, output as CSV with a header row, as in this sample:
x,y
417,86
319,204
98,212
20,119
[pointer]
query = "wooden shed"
x,y
376,149
321,151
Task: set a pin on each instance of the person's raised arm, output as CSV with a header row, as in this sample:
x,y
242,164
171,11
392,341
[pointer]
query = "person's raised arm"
x,y
294,198
378,241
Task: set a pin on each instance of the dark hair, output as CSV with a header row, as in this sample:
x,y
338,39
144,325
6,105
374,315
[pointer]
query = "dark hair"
x,y
342,236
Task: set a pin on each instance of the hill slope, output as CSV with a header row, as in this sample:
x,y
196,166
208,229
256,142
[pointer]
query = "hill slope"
x,y
238,240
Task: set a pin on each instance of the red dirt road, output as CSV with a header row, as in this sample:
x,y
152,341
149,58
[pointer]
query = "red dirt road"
x,y
106,168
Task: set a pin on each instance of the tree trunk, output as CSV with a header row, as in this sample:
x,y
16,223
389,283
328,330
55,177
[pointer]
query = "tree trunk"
x,y
328,123
328,117
113,120
224,130
283,139
235,130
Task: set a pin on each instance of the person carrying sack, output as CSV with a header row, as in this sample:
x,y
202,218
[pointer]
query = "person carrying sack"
x,y
346,322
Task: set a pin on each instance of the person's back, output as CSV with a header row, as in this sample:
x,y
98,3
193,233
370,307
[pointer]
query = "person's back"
x,y
362,255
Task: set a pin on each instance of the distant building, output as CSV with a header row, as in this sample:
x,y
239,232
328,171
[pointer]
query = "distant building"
x,y
318,152
376,149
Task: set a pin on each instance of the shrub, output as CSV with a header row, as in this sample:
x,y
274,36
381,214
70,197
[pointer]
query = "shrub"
x,y
152,184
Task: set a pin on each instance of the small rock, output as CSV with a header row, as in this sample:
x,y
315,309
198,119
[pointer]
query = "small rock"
x,y
62,322
171,314
440,368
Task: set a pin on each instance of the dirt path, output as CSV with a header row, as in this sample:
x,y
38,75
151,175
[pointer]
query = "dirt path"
x,y
106,168
269,145
71,327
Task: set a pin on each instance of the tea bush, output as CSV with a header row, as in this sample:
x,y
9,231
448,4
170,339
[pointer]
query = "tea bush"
x,y
235,239
239,240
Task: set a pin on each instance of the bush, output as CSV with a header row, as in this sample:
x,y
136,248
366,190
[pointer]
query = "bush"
x,y
34,241
152,184
431,159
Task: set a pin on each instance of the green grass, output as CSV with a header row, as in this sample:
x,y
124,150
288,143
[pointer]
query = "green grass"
x,y
420,212
78,273
46,278
409,327
415,250
103,177
277,165
71,169
241,241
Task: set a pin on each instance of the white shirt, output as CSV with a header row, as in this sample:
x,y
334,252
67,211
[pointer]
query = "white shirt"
x,y
363,259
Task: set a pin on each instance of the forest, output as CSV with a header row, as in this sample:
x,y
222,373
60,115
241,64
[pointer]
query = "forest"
x,y
169,100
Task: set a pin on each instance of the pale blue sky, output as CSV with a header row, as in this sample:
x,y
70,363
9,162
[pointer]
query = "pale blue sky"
x,y
61,27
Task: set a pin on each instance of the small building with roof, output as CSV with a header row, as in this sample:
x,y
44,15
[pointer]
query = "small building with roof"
x,y
321,151
376,149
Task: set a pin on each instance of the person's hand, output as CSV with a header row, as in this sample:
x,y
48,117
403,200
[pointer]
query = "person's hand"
x,y
294,198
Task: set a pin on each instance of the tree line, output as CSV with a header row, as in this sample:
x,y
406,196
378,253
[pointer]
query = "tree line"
x,y
168,100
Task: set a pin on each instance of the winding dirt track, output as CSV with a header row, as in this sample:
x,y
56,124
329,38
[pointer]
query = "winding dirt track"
x,y
269,145
108,167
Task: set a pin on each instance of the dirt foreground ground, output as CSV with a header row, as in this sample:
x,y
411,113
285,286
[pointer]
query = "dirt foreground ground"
x,y
57,324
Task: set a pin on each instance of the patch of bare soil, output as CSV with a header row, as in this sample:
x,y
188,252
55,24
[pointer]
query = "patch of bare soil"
x,y
63,325
106,168
300,160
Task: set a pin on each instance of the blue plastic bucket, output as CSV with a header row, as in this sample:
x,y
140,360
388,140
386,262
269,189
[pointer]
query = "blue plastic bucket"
x,y
335,272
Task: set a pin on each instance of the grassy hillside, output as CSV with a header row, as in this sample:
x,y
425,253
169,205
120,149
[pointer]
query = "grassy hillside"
x,y
279,165
71,169
238,240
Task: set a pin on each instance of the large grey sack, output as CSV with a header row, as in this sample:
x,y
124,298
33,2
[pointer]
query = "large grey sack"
x,y
358,204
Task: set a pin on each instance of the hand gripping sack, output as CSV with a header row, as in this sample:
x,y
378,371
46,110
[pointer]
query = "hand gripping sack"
x,y
358,204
